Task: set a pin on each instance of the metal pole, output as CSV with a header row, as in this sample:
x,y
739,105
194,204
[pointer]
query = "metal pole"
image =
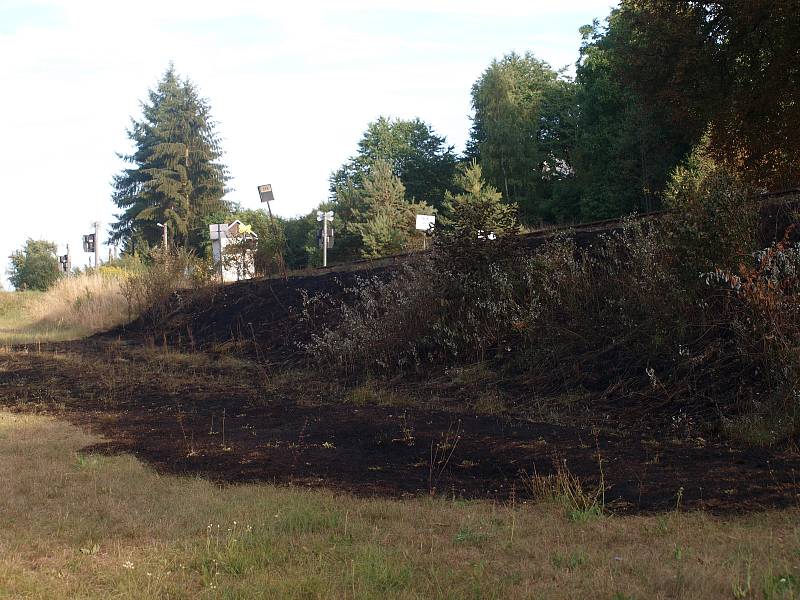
x,y
96,244
164,236
219,240
324,240
279,250
69,261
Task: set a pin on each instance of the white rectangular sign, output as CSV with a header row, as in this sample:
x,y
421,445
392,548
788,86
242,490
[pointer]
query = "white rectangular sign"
x,y
425,222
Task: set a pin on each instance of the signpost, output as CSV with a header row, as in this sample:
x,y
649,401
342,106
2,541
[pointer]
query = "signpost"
x,y
425,223
266,195
163,235
96,244
326,241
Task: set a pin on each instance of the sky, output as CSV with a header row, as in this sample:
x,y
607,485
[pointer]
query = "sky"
x,y
292,87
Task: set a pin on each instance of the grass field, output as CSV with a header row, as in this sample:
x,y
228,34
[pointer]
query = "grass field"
x,y
75,307
19,325
82,525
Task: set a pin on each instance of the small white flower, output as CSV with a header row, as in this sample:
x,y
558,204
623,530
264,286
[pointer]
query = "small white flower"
x,y
127,564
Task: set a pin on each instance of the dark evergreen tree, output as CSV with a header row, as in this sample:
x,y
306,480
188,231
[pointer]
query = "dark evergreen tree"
x,y
175,177
625,145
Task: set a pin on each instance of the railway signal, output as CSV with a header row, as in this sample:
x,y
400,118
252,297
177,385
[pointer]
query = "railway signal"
x,y
65,262
90,243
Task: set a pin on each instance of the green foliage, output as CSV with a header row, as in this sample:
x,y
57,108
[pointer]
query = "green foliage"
x,y
34,267
476,225
625,146
717,213
402,169
381,216
300,234
175,177
568,151
728,66
419,157
519,133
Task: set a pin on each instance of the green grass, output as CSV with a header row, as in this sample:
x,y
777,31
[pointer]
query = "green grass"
x,y
78,525
17,326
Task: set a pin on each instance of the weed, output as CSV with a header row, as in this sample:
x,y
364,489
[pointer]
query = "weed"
x,y
742,587
83,461
569,562
567,490
781,587
468,535
441,453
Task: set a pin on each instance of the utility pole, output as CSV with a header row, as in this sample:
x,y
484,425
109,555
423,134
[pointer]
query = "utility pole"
x,y
96,244
163,236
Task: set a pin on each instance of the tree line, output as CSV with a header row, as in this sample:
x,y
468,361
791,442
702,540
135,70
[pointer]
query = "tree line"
x,y
649,83
652,81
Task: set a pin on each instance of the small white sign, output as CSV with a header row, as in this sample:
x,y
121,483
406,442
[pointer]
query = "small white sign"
x,y
425,222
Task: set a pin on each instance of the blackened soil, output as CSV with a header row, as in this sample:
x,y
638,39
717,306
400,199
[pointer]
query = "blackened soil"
x,y
217,421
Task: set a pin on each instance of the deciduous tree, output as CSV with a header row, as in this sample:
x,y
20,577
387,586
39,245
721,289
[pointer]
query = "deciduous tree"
x,y
34,267
733,67
421,159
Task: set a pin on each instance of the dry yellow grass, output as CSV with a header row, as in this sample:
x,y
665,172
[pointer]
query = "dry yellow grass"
x,y
73,308
88,302
79,525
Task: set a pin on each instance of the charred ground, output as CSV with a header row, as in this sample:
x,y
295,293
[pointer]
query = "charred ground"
x,y
216,384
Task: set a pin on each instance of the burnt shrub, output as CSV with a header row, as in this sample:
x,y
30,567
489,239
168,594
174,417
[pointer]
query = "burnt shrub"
x,y
679,316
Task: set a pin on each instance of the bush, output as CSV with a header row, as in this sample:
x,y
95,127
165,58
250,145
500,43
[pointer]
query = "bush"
x,y
148,293
717,214
763,307
681,314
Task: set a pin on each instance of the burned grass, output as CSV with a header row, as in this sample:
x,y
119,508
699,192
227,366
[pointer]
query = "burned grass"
x,y
233,421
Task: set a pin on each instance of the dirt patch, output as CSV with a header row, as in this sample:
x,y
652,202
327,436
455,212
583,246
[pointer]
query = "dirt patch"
x,y
213,419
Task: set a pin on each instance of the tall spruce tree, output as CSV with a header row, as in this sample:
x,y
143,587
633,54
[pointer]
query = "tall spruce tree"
x,y
175,176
